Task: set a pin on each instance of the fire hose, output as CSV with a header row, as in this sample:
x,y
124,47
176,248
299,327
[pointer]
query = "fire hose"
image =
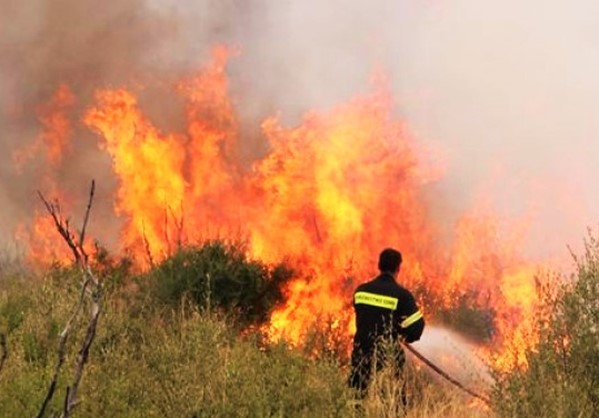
x,y
444,374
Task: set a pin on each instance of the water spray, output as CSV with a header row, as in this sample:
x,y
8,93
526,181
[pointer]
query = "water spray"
x,y
444,374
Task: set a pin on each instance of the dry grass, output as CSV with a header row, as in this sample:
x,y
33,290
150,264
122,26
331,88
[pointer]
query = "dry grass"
x,y
426,398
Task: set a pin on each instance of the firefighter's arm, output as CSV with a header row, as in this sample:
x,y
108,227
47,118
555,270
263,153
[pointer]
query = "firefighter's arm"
x,y
412,324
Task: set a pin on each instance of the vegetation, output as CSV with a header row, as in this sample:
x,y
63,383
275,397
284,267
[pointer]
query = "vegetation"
x,y
561,378
468,315
184,340
217,275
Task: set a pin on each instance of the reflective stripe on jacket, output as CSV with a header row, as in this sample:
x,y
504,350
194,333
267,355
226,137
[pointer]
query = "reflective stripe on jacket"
x,y
384,308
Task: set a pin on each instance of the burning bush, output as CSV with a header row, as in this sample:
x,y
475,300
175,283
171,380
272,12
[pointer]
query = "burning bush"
x,y
562,370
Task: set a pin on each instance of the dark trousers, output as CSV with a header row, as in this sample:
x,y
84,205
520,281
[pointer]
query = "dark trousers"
x,y
366,362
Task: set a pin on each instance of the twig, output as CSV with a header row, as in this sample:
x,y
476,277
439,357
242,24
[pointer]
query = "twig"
x,y
87,210
83,355
178,225
61,350
147,245
90,280
65,405
62,225
318,237
166,237
4,346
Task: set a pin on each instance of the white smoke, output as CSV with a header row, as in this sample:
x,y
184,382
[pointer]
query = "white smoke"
x,y
455,356
506,90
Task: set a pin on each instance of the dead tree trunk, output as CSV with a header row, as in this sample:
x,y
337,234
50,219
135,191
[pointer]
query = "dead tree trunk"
x,y
91,291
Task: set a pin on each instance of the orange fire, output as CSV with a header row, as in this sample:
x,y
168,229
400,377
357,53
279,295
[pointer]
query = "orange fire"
x,y
57,129
53,144
330,194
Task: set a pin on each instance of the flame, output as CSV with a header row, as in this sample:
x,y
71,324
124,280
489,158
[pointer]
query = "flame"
x,y
56,129
52,144
149,165
330,194
339,188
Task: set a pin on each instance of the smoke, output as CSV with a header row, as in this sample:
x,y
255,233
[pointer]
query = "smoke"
x,y
456,356
506,91
87,45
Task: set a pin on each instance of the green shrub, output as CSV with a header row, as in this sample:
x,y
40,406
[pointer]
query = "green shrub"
x,y
218,275
561,378
467,315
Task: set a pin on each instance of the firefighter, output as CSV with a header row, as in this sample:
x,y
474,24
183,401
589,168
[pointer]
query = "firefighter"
x,y
385,311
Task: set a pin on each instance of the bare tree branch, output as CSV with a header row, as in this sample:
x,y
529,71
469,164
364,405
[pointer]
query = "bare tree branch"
x,y
86,219
316,229
179,224
4,347
65,405
62,348
166,237
147,246
83,354
91,287
62,225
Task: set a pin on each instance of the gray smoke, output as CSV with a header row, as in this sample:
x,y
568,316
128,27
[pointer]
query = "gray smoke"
x,y
88,45
506,91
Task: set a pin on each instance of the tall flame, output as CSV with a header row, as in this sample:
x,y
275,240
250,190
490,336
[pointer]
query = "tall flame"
x,y
53,143
328,196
